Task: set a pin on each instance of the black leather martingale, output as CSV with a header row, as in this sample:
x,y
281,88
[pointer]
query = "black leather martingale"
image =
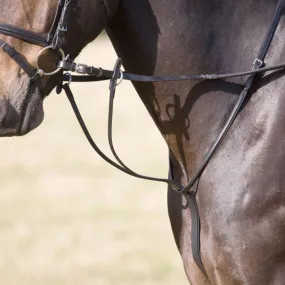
x,y
258,67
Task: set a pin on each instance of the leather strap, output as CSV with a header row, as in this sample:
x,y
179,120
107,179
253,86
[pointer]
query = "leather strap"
x,y
97,149
20,60
195,229
103,74
83,69
62,26
56,20
24,35
195,222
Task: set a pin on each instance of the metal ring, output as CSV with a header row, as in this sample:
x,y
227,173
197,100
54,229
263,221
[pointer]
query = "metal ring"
x,y
61,52
70,78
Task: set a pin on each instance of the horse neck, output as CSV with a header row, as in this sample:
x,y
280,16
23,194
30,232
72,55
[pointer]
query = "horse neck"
x,y
189,36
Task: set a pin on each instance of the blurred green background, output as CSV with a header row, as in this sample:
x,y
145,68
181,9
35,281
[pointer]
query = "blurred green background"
x,y
66,217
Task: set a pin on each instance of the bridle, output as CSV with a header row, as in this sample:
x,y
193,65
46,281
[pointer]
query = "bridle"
x,y
54,40
51,41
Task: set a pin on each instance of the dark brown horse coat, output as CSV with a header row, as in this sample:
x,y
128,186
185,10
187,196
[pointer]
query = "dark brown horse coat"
x,y
241,195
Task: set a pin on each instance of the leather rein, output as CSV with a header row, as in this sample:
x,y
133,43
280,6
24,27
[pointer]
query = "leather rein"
x,y
54,40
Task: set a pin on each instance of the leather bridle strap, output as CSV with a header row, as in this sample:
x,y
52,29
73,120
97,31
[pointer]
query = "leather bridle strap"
x,y
31,71
55,36
62,26
99,74
56,20
23,35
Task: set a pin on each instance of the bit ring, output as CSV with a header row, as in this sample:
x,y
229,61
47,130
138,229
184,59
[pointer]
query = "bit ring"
x,y
41,71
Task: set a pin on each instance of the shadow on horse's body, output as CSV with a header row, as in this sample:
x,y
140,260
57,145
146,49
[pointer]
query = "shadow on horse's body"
x,y
240,195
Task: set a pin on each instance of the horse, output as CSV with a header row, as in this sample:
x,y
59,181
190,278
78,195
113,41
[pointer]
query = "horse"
x,y
240,192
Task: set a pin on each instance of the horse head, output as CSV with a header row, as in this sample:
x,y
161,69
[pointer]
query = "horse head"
x,y
26,28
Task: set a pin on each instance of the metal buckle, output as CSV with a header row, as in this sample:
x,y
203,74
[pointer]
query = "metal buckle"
x,y
63,28
81,68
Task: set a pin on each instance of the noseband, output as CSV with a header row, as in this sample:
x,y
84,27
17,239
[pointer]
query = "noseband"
x,y
54,40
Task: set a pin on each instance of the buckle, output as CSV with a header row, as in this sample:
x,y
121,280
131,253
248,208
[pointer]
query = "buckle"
x,y
63,28
82,68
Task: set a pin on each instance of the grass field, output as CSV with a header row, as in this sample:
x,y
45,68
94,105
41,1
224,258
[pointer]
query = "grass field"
x,y
66,217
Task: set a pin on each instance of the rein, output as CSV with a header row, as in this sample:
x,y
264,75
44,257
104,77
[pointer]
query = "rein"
x,y
54,40
92,73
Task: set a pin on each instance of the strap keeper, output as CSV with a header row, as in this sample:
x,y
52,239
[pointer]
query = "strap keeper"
x,y
117,74
9,50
